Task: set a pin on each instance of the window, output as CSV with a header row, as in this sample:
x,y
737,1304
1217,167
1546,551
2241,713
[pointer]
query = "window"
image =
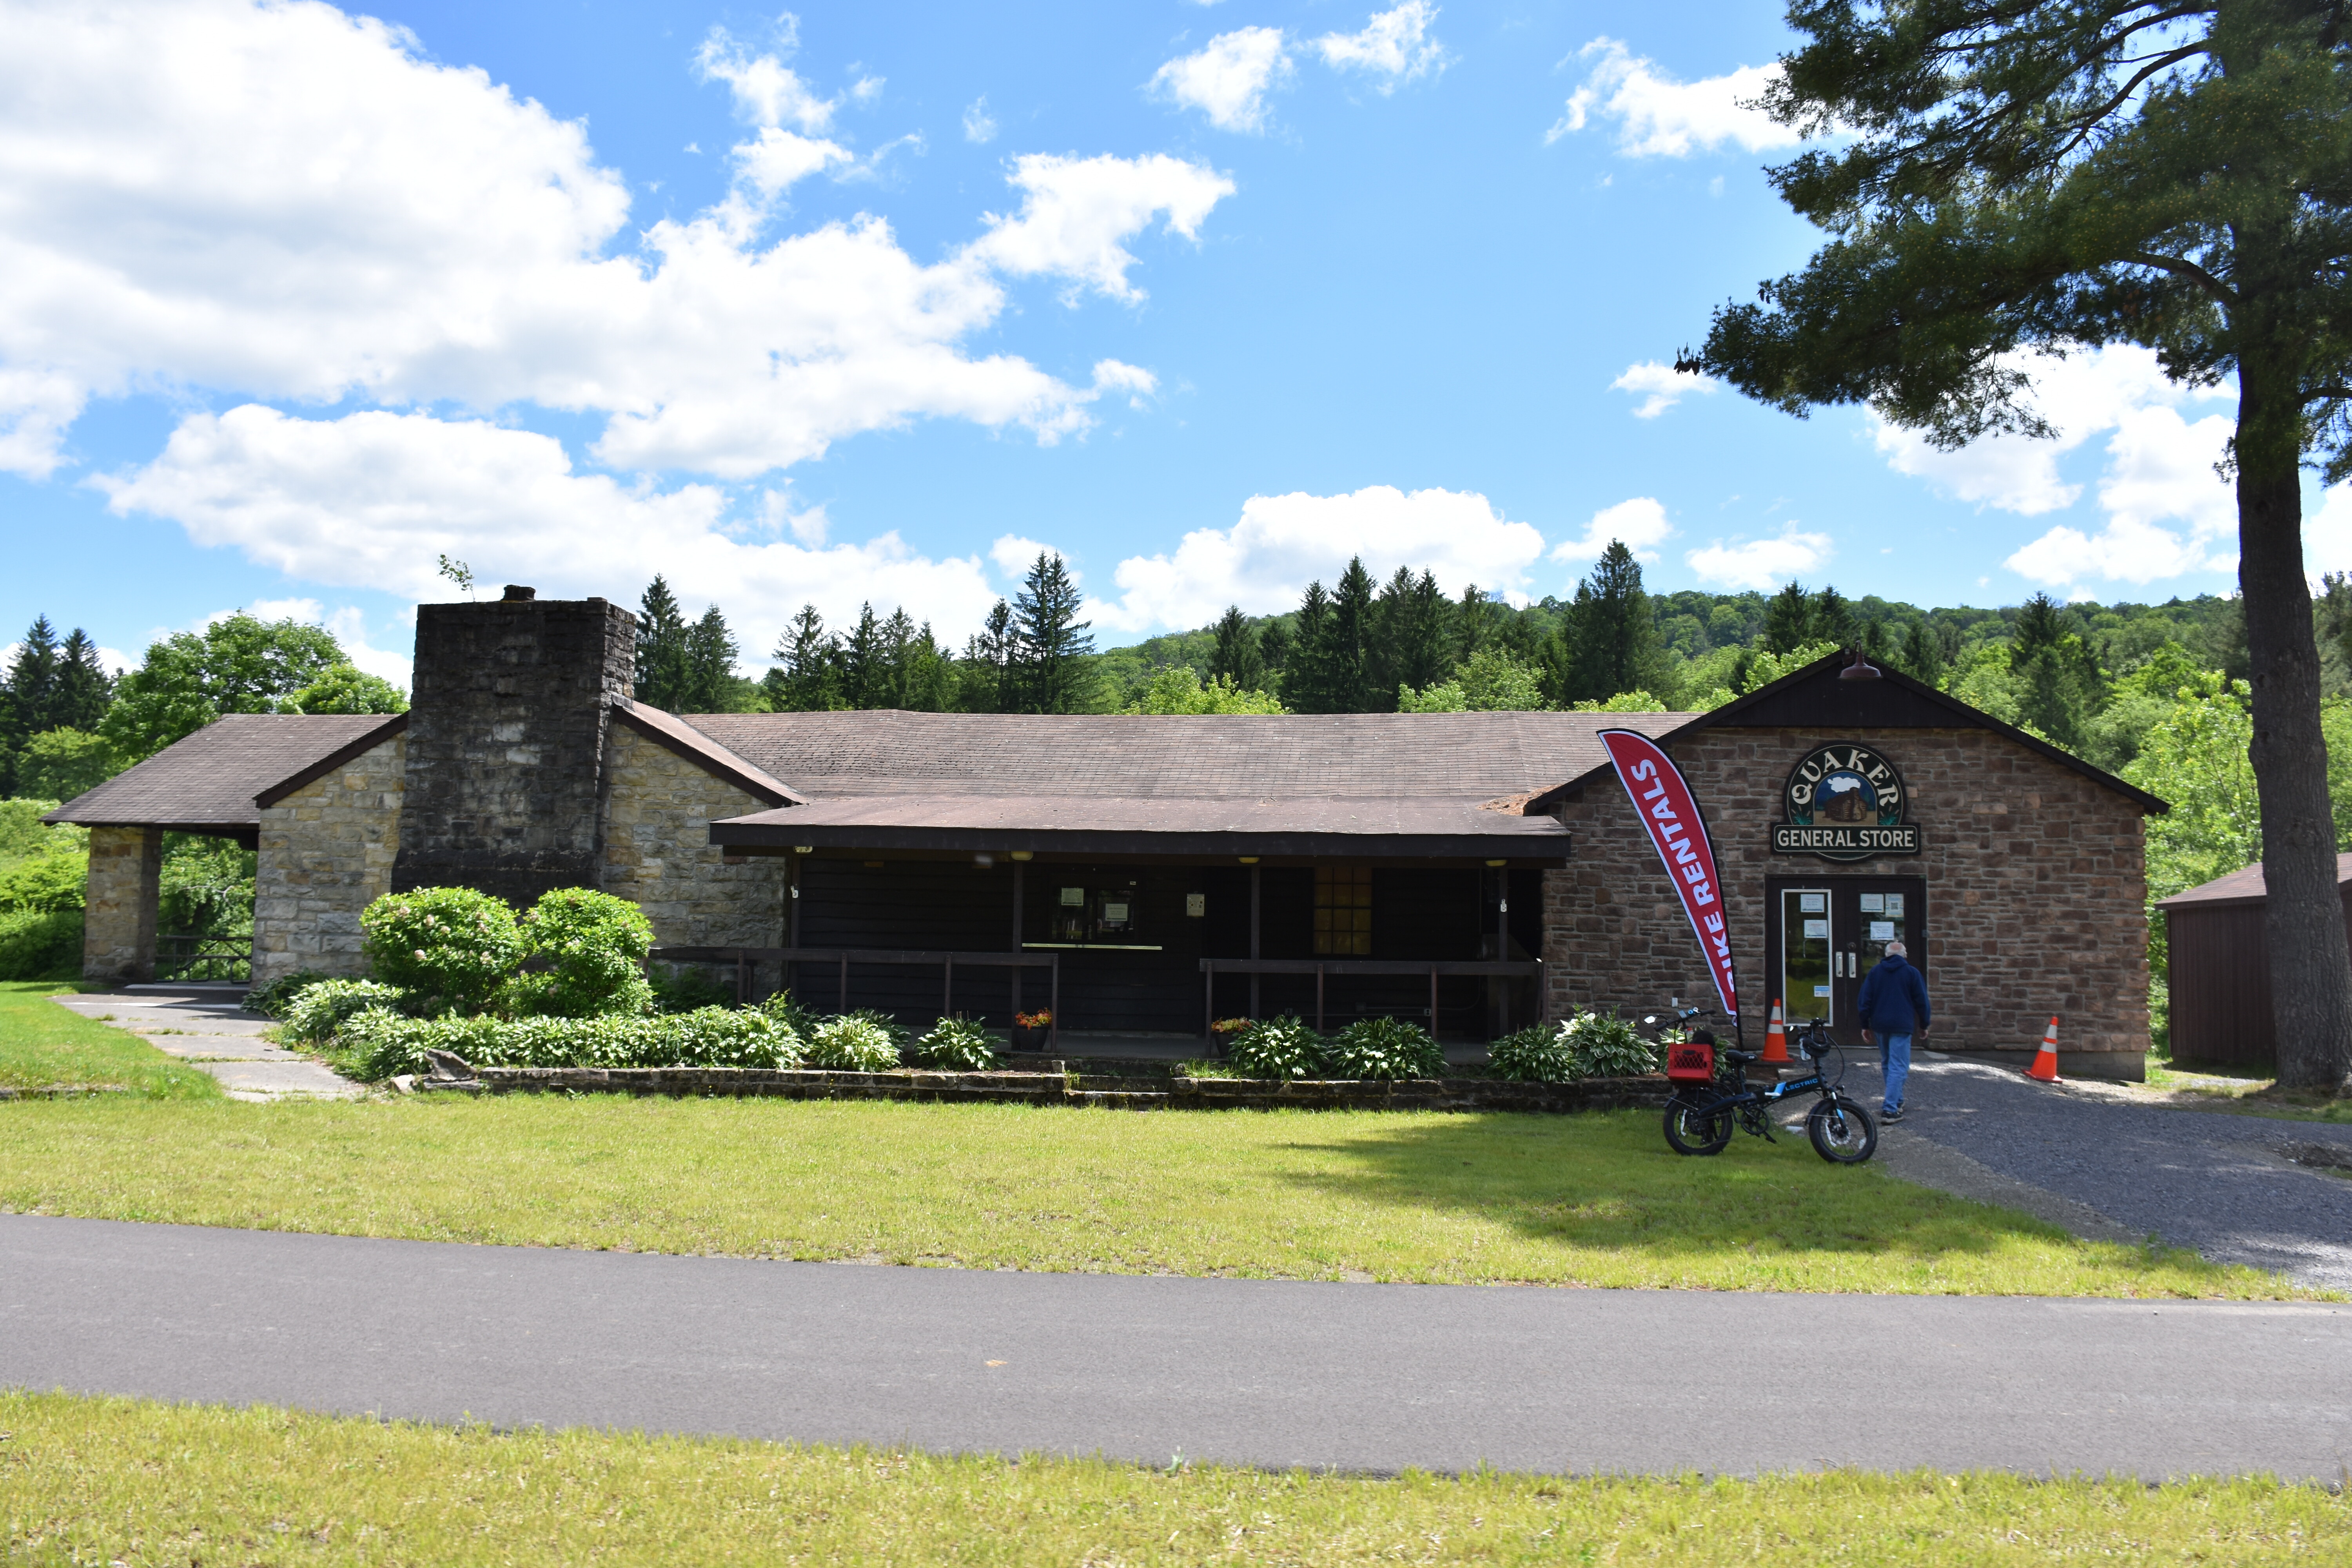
x,y
1343,912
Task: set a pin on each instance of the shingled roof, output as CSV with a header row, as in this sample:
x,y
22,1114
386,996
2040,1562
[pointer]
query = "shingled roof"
x,y
1469,757
207,782
2240,888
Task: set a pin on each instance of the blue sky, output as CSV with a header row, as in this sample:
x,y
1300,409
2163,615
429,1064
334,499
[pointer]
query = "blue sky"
x,y
871,302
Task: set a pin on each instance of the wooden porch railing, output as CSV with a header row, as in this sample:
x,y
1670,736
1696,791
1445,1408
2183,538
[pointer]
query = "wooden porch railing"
x,y
1514,968
742,958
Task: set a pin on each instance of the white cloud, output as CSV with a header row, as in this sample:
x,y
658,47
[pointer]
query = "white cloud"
x,y
1658,117
1266,560
2327,534
1762,564
1660,387
1076,213
1641,523
979,125
1014,555
1229,79
280,201
370,499
1394,43
2160,470
766,91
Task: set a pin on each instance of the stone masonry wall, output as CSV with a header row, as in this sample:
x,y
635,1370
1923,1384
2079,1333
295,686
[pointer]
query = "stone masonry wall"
x,y
659,856
118,923
326,854
2035,881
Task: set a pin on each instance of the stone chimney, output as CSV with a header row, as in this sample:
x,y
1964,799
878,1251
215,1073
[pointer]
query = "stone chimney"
x,y
506,743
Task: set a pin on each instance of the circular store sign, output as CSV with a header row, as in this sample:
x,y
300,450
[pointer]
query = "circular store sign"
x,y
1844,803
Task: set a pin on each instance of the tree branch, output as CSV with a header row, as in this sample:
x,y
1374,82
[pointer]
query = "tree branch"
x,y
2188,269
2326,394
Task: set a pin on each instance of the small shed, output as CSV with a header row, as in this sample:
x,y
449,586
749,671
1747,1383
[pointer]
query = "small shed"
x,y
2221,972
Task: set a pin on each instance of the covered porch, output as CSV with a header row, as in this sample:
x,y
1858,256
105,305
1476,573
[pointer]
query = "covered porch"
x,y
1137,923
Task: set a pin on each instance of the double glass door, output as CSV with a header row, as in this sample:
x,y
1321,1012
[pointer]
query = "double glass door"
x,y
1824,934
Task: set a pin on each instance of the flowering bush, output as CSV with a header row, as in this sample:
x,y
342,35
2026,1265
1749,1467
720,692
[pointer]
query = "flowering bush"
x,y
1230,1025
1607,1047
452,946
318,1012
382,1043
1281,1047
595,945
1542,1053
852,1044
1385,1048
1041,1019
957,1045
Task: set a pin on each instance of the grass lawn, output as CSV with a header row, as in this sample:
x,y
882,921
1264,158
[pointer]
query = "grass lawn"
x,y
42,1045
1592,1199
97,1481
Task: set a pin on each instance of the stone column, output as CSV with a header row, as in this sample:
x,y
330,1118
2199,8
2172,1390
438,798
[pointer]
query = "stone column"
x,y
118,933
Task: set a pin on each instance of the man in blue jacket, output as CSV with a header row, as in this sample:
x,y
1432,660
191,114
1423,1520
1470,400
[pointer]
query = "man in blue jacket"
x,y
1893,1007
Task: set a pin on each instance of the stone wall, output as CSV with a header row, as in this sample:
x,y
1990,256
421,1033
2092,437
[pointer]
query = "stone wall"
x,y
659,855
2035,881
326,854
507,742
118,928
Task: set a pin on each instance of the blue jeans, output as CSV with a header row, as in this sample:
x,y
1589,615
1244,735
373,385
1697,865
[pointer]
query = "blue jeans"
x,y
1894,1061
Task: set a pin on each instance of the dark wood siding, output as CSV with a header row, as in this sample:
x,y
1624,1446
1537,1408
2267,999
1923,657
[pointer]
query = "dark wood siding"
x,y
2221,989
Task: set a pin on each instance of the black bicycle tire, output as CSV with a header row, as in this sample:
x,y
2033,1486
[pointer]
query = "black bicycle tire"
x,y
1714,1137
1816,1130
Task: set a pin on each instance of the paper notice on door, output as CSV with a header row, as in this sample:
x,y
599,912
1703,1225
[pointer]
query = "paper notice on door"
x,y
1811,903
1882,931
1872,902
1819,929
1820,990
1894,906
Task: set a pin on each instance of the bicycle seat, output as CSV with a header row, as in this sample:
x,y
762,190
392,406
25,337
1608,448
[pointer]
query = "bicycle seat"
x,y
1743,1058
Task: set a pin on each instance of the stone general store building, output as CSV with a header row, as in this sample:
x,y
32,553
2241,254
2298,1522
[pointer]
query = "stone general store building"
x,y
1142,875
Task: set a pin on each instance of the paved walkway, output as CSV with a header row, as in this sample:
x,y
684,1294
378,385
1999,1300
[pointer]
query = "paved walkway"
x,y
207,1028
1365,1377
2089,1158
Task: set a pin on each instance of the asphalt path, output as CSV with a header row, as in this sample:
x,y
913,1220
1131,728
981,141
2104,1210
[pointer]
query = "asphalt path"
x,y
1354,1377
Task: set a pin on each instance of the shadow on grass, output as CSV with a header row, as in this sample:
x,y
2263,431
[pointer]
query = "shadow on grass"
x,y
1606,1181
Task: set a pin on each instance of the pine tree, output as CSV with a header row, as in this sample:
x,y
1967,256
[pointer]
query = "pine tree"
x,y
1053,645
1238,657
710,679
1411,642
1614,640
661,674
806,678
866,664
79,696
1922,658
1307,677
1789,620
32,683
1832,618
1275,644
1352,682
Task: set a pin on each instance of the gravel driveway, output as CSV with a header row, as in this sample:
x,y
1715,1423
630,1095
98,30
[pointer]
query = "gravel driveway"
x,y
2215,1180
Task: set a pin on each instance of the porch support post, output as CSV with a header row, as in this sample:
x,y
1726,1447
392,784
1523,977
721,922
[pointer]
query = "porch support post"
x,y
1209,1001
1319,998
1254,933
1432,1004
947,991
791,976
844,1006
1017,885
126,867
1503,949
1054,1029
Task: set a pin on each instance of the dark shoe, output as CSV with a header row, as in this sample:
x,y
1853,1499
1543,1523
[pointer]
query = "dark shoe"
x,y
1887,1116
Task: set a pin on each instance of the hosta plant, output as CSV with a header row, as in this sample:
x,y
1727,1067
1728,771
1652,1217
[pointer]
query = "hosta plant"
x,y
381,1043
317,1013
1608,1046
1281,1047
852,1044
957,1045
1385,1048
1541,1053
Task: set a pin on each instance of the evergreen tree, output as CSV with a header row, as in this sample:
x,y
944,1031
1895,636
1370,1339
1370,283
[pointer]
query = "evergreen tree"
x,y
1832,618
32,679
1351,679
2054,673
1239,660
1306,677
2027,174
1051,644
1612,643
661,672
1922,658
806,678
709,678
1412,642
866,664
79,696
1274,645
1789,620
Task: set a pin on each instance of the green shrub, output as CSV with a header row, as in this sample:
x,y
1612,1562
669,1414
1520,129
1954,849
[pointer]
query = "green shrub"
x,y
901,1038
684,987
853,1044
1278,1048
44,884
40,945
271,998
23,833
452,946
317,1013
594,946
1385,1048
1541,1053
786,1009
957,1045
1608,1046
381,1043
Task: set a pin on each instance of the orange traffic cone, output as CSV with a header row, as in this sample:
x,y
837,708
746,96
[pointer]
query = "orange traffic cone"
x,y
2046,1060
1776,1038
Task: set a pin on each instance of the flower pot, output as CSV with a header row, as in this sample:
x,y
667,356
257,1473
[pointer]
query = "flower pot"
x,y
1030,1039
